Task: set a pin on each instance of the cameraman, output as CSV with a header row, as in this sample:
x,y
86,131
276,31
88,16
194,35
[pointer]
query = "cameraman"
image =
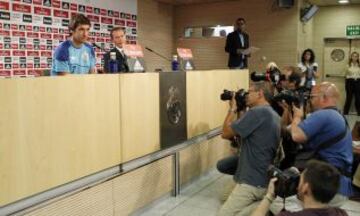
x,y
291,86
292,78
318,184
323,125
259,129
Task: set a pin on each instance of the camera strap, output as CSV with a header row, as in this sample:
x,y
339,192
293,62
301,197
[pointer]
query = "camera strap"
x,y
334,140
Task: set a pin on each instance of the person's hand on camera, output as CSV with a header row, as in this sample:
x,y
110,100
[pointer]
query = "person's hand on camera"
x,y
356,150
285,106
286,117
298,112
271,189
232,104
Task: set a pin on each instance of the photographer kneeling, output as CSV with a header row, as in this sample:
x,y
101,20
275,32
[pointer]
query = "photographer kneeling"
x,y
318,184
259,129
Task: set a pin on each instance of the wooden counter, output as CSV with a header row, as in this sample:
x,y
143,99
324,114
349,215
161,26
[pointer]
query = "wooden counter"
x,y
54,130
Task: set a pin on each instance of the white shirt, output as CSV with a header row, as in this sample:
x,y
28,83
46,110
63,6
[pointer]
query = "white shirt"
x,y
353,72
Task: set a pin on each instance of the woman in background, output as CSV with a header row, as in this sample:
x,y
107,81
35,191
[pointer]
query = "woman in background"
x,y
352,83
308,68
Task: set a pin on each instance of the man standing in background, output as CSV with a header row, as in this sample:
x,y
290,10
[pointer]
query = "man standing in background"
x,y
236,42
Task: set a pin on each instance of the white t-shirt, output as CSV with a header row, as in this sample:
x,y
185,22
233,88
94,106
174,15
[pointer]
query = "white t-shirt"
x,y
309,72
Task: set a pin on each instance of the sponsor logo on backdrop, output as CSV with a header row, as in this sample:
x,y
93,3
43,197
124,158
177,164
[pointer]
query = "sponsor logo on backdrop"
x,y
37,2
42,11
56,4
65,23
27,18
60,13
4,15
65,5
47,20
36,27
4,5
21,8
119,22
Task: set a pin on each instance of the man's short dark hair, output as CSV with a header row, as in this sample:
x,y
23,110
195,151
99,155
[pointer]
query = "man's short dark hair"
x,y
323,179
76,20
241,19
295,76
116,29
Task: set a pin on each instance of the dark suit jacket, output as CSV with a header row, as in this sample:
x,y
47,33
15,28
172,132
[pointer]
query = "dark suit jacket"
x,y
232,44
122,64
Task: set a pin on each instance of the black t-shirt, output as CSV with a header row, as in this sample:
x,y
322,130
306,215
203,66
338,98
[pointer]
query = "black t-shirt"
x,y
316,212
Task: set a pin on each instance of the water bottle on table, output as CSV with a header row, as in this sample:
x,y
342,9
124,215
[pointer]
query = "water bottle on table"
x,y
113,65
175,63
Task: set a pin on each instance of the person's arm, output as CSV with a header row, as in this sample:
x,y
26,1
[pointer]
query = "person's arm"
x,y
227,131
248,45
356,150
93,71
265,203
61,67
315,70
286,117
92,65
62,73
297,133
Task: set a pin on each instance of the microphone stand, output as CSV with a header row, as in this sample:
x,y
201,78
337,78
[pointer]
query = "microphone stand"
x,y
97,46
158,54
163,57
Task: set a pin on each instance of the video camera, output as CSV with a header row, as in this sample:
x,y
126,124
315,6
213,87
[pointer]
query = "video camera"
x,y
240,98
287,182
273,75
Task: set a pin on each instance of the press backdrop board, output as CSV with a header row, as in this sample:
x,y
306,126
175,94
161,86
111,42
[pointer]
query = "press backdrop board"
x,y
30,30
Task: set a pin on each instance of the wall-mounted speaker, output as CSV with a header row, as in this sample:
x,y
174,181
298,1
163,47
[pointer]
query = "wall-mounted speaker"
x,y
308,13
285,3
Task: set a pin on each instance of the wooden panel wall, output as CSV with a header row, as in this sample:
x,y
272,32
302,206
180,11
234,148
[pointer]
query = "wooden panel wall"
x,y
140,115
156,32
53,131
200,158
272,29
116,197
131,191
205,110
331,21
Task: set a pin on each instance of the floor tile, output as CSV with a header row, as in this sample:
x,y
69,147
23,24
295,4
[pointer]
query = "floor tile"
x,y
189,210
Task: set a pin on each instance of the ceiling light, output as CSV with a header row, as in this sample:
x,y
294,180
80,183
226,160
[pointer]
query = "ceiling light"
x,y
343,1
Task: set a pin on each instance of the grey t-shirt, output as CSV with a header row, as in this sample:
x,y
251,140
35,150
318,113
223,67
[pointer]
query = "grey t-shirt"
x,y
259,129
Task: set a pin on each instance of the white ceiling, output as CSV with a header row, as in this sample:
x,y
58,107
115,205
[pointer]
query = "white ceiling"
x,y
316,2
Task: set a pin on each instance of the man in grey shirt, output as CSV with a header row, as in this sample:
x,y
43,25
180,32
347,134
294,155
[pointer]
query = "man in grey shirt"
x,y
259,129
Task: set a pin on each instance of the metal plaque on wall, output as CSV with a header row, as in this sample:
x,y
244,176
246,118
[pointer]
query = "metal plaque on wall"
x,y
172,109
